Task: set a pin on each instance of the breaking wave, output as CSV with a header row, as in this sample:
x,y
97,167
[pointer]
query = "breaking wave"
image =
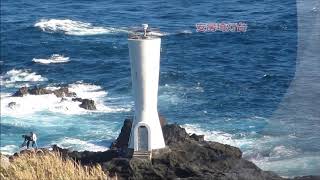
x,y
268,153
14,76
55,58
79,145
9,149
30,104
79,28
76,28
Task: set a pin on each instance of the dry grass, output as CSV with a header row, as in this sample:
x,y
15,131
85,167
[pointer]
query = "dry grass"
x,y
49,166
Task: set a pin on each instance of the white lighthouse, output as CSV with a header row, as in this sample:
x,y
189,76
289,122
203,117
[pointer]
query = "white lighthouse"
x,y
146,133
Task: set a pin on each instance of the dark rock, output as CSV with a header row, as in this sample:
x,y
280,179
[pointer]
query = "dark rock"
x,y
39,91
173,133
87,157
189,157
61,92
64,92
88,104
77,99
122,141
12,104
199,138
21,92
191,161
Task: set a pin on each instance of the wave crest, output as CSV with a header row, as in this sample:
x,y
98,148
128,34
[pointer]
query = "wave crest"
x,y
55,58
31,104
70,27
20,75
79,145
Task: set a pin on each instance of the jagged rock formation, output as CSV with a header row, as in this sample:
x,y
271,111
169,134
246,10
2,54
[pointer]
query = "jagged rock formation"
x,y
61,92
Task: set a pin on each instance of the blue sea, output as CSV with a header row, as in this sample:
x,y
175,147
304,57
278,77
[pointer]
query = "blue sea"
x,y
257,90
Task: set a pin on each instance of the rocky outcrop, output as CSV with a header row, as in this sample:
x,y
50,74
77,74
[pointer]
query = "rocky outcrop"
x,y
185,157
86,103
61,92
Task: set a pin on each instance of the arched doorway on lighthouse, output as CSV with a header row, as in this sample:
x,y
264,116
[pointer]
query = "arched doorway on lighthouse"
x,y
143,138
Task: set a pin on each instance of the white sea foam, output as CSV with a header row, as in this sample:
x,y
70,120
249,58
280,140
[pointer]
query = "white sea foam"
x,y
55,58
297,165
217,136
9,149
71,27
31,104
79,145
265,151
14,76
175,93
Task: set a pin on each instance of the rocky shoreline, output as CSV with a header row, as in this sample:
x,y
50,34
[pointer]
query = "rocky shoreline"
x,y
186,157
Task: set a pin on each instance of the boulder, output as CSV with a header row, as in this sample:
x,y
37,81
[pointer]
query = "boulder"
x,y
21,92
86,103
12,105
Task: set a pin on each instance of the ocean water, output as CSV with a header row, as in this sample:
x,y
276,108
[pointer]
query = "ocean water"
x,y
242,89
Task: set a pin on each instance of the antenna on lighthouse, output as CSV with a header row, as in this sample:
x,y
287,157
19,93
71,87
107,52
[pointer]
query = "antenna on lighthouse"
x,y
146,132
145,27
136,32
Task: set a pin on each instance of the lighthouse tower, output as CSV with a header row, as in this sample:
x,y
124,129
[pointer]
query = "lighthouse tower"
x,y
146,133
